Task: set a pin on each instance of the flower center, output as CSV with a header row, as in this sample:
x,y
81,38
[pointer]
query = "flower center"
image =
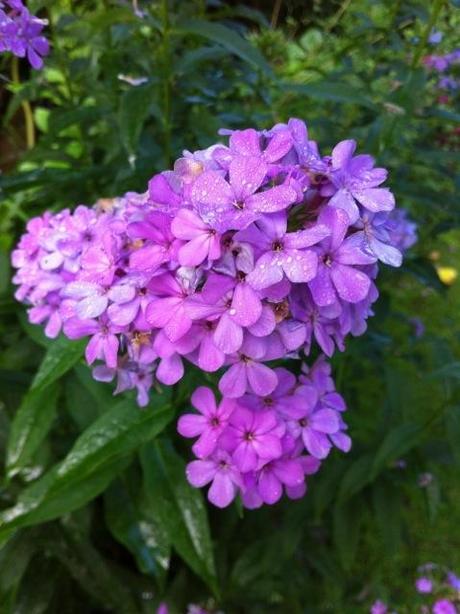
x,y
277,246
214,421
327,260
239,204
249,436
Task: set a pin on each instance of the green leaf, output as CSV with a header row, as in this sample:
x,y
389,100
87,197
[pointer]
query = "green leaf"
x,y
61,356
331,92
396,443
229,39
30,426
180,509
347,523
356,477
14,560
387,503
139,532
135,105
452,422
97,456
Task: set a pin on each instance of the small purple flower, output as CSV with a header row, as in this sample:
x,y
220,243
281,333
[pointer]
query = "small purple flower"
x,y
283,253
444,606
221,472
424,585
203,242
356,182
236,203
378,607
337,275
254,437
209,425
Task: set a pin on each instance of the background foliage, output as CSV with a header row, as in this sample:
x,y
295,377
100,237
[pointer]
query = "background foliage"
x,y
97,516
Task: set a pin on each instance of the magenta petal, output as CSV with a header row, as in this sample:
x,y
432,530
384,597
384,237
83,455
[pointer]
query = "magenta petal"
x,y
203,400
268,446
222,491
200,472
210,357
352,285
300,266
233,383
191,425
270,488
262,379
267,272
228,335
272,200
195,251
321,287
206,443
245,457
91,307
316,443
170,370
324,420
246,306
246,175
290,472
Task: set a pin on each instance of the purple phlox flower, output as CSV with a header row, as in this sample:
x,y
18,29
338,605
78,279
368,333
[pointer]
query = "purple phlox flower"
x,y
378,607
104,342
356,181
129,376
230,301
169,312
284,252
377,239
49,312
337,275
310,465
321,322
202,241
220,470
235,203
209,425
444,606
453,580
247,373
440,63
20,33
307,151
205,354
100,260
267,487
401,230
91,299
130,299
314,427
279,400
164,193
153,242
251,143
253,437
424,585
162,609
435,37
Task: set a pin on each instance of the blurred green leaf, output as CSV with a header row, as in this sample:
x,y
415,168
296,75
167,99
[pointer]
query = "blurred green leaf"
x,y
347,523
332,92
395,444
61,356
95,459
141,534
30,426
179,508
135,106
228,38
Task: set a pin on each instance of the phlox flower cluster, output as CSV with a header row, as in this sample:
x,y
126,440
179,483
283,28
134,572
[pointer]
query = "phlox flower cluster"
x,y
242,255
445,65
21,32
438,589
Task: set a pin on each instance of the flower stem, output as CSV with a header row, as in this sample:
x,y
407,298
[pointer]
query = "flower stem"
x,y
25,105
437,6
166,52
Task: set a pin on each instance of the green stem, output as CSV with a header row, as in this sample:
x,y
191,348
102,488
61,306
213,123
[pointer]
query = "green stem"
x,y
166,53
437,6
25,105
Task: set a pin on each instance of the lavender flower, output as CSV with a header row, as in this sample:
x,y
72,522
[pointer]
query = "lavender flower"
x,y
21,33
